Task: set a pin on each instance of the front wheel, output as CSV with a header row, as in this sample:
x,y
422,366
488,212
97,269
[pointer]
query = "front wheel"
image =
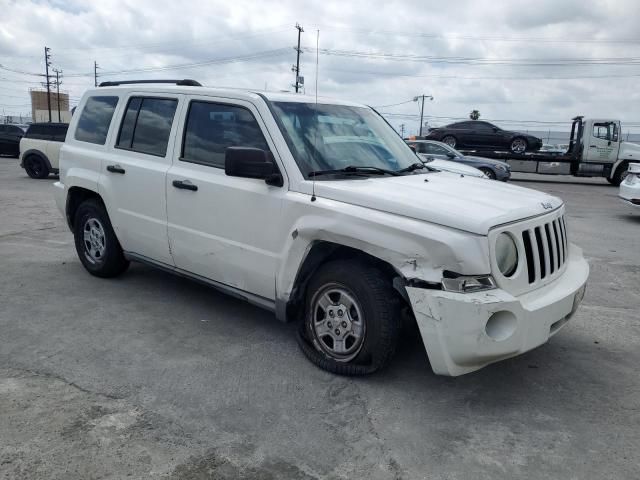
x,y
519,145
619,175
352,319
96,242
488,172
36,167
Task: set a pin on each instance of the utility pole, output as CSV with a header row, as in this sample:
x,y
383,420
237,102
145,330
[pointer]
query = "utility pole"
x,y
95,73
422,97
47,63
402,130
58,72
296,69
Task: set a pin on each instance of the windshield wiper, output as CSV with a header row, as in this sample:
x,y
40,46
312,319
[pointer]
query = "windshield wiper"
x,y
411,168
352,169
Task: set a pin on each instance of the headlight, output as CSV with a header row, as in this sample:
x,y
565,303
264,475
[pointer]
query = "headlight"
x,y
506,254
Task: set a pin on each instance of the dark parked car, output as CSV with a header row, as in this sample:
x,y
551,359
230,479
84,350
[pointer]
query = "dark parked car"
x,y
10,136
478,135
430,149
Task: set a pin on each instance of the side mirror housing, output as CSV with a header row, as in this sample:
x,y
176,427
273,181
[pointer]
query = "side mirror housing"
x,y
451,155
248,162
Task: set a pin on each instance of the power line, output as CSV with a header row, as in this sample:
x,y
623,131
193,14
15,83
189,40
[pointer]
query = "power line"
x,y
393,104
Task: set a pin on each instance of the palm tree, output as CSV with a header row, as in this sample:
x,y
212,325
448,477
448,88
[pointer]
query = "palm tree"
x,y
474,115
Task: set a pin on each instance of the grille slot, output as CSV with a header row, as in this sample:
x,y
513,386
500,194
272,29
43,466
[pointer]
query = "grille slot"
x,y
546,249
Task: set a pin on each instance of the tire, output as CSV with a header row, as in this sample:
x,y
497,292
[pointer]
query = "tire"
x,y
368,329
488,172
619,175
450,140
99,252
36,167
518,145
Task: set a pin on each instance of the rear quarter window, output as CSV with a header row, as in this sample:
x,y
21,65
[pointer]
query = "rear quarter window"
x,y
94,121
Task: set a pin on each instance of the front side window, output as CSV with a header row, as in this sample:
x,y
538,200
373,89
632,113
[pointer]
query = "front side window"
x,y
434,149
606,131
328,137
212,127
94,121
146,125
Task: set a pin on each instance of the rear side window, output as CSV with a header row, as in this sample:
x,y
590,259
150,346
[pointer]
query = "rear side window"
x,y
59,132
37,132
146,125
94,121
211,128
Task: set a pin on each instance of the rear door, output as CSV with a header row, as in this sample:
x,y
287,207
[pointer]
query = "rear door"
x,y
134,173
602,142
223,228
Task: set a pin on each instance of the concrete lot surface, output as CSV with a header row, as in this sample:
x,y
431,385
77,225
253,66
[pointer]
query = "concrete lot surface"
x,y
154,376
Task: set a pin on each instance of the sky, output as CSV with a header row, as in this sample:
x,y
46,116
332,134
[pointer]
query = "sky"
x,y
523,64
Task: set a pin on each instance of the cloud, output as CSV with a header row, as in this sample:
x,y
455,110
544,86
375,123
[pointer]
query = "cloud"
x,y
123,35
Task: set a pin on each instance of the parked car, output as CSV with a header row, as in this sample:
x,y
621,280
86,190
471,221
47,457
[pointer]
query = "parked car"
x,y
630,186
318,212
480,135
10,136
431,149
40,148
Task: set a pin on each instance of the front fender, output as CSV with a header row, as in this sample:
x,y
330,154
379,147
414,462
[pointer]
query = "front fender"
x,y
415,249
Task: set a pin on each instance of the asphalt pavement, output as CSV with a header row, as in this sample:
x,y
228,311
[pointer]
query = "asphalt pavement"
x,y
154,376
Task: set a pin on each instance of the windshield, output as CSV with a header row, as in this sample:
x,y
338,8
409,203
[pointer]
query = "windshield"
x,y
333,137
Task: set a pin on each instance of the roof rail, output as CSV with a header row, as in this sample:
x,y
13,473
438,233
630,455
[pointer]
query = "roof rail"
x,y
186,82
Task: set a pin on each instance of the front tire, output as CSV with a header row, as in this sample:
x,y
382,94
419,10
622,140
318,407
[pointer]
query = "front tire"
x,y
352,319
36,167
96,242
619,175
488,172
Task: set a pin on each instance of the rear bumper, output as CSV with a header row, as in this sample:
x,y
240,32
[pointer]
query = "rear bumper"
x,y
465,332
630,194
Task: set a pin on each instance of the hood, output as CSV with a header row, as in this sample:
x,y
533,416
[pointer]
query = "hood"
x,y
629,151
454,167
466,203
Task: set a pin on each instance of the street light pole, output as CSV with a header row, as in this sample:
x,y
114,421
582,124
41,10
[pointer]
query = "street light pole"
x,y
422,97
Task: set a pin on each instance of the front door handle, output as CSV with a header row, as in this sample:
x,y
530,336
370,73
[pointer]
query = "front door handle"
x,y
185,185
593,146
115,169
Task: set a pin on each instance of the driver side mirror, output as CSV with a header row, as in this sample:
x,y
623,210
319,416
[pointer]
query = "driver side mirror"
x,y
247,162
451,155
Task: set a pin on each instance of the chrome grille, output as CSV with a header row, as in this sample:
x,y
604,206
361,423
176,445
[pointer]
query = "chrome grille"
x,y
545,248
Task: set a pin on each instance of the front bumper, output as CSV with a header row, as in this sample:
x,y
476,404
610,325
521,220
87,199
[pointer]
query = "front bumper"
x,y
463,332
630,194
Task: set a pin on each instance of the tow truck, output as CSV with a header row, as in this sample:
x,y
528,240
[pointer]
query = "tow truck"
x,y
595,149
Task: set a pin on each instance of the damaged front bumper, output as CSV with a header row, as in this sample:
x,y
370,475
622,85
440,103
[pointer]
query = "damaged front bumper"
x,y
464,332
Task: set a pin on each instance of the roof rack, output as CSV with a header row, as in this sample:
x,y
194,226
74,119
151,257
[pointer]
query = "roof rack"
x,y
185,82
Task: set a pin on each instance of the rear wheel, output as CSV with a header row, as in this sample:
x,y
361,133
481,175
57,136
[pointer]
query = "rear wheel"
x,y
450,140
36,167
352,319
488,172
519,145
96,243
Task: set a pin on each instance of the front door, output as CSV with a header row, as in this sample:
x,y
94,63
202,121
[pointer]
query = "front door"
x,y
134,175
602,142
223,228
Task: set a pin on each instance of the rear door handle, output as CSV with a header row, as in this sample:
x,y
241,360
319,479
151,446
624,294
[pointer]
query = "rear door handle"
x,y
185,185
115,169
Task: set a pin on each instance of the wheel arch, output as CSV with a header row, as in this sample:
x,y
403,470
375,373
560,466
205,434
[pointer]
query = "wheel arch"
x,y
319,253
75,197
37,153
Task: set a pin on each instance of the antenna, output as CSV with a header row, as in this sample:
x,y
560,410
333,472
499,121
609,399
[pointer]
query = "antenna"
x,y
315,139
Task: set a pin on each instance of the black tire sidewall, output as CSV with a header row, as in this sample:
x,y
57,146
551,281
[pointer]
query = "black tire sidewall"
x,y
114,261
44,170
378,304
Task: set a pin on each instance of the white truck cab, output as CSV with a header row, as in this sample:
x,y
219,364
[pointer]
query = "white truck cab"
x,y
318,211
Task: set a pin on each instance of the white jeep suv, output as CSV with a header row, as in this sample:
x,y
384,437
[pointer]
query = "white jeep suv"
x,y
40,148
319,212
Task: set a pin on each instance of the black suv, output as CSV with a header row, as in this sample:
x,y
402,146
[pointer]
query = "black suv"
x,y
10,136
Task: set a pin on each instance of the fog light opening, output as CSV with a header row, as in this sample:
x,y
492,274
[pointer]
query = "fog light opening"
x,y
501,325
